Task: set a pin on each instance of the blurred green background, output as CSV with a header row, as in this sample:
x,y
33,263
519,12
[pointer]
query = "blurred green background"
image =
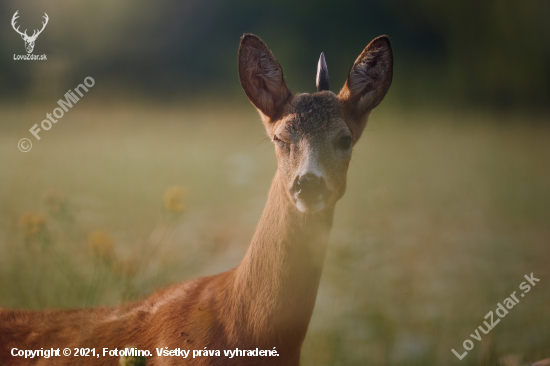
x,y
490,52
447,206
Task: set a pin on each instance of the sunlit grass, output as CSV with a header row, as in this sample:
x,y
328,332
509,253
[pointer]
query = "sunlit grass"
x,y
445,212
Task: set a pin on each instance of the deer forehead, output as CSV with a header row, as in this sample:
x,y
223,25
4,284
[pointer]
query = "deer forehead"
x,y
312,117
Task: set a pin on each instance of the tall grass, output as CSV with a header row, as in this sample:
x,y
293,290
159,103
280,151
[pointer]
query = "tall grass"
x,y
445,212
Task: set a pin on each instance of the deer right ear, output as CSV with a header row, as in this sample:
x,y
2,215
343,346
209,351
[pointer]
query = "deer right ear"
x,y
368,82
262,77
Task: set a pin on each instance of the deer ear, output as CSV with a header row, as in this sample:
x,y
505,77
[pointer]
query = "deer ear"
x,y
368,82
262,77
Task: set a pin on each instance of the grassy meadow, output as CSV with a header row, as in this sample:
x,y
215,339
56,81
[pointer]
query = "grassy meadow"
x,y
445,212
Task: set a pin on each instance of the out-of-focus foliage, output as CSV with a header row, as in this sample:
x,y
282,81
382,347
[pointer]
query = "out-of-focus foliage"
x,y
488,51
494,50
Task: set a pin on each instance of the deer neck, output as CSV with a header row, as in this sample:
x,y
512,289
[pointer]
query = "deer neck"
x,y
276,283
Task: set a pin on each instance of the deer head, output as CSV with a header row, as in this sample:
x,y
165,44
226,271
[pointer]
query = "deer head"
x,y
29,41
314,134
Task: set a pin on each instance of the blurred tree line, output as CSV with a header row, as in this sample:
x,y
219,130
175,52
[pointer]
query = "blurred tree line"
x,y
488,52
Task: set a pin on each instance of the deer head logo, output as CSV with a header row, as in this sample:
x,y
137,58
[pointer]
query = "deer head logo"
x,y
29,41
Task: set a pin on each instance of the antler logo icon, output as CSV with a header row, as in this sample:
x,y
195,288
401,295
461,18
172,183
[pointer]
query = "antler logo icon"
x,y
29,41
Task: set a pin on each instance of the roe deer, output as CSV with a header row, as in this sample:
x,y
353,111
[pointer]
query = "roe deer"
x,y
265,302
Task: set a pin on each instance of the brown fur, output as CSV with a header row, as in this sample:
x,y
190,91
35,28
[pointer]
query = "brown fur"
x,y
267,300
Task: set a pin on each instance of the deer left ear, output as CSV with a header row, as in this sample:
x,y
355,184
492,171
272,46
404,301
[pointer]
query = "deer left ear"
x,y
262,77
368,82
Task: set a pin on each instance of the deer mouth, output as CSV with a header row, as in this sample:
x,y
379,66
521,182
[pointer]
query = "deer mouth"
x,y
308,201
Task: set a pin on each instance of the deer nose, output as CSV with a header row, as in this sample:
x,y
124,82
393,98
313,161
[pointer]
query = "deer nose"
x,y
308,181
309,187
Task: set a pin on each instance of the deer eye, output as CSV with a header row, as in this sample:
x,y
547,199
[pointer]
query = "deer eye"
x,y
344,143
278,140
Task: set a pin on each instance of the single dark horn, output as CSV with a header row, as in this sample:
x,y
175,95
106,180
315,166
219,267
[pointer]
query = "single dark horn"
x,y
322,74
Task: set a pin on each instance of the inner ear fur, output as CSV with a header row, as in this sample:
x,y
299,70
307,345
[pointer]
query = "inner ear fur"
x,y
261,77
368,82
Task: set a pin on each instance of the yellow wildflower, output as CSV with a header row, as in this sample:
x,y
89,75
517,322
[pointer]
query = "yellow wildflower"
x,y
173,199
102,244
32,223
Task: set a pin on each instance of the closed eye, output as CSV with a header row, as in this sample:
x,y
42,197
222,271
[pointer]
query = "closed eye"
x,y
278,140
